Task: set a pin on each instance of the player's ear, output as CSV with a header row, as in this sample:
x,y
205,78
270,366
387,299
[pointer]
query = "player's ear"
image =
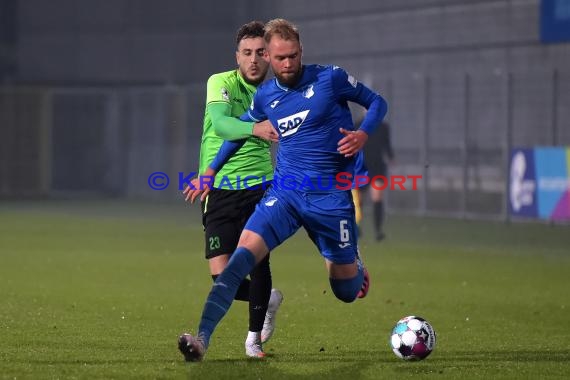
x,y
237,57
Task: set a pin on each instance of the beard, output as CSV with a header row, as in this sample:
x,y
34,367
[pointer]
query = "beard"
x,y
254,80
289,79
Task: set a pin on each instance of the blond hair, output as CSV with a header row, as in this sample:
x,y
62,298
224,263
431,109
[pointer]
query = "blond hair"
x,y
282,28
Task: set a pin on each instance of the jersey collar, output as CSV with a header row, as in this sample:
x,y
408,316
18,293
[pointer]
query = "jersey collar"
x,y
301,79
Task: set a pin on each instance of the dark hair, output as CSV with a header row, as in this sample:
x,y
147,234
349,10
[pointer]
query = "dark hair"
x,y
250,30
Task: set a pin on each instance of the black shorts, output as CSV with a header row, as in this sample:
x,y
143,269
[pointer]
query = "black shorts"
x,y
224,214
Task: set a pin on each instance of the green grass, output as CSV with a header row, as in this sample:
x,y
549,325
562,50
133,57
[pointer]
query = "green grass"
x,y
102,290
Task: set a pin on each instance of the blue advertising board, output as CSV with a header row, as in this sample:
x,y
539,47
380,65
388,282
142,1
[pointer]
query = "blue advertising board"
x,y
555,20
539,183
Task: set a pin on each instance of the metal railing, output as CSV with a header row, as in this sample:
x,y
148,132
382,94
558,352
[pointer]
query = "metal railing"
x,y
455,130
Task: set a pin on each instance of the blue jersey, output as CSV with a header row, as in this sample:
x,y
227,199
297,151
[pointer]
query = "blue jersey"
x,y
360,168
308,117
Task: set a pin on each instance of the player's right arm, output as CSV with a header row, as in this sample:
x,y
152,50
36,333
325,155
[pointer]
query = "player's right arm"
x,y
219,107
231,128
226,151
229,148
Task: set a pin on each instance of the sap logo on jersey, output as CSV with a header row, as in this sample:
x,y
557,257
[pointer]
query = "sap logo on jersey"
x,y
290,124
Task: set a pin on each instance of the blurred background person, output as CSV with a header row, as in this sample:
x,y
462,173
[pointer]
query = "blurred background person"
x,y
374,161
360,169
378,156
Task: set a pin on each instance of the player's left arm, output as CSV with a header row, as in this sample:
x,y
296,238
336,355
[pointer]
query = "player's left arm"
x,y
229,148
347,88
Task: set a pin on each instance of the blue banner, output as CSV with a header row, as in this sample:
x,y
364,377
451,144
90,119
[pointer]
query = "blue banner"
x,y
552,179
539,183
555,20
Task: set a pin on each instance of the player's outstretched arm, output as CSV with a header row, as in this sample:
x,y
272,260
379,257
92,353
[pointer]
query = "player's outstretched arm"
x,y
231,128
225,125
264,130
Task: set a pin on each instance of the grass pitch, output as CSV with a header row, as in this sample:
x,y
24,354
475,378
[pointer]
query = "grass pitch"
x,y
102,290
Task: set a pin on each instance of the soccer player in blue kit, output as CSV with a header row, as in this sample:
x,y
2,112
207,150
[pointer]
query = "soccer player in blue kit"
x,y
308,106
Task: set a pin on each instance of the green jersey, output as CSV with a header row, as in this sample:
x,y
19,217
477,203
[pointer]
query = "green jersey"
x,y
254,157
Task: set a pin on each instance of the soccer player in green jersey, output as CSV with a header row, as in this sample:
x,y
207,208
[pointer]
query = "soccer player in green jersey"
x,y
228,205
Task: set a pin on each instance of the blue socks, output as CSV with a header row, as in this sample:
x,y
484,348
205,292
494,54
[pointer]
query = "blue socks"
x,y
224,290
347,289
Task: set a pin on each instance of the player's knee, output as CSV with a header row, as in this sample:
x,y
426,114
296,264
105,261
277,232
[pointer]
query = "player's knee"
x,y
346,290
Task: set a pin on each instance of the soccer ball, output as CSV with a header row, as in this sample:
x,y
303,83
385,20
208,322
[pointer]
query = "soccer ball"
x,y
412,338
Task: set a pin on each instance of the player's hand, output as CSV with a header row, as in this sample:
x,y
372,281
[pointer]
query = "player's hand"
x,y
192,191
199,186
352,142
264,130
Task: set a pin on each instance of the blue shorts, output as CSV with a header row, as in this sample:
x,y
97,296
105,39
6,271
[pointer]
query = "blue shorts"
x,y
328,218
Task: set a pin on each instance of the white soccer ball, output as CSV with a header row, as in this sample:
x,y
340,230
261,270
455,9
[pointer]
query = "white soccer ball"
x,y
412,338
